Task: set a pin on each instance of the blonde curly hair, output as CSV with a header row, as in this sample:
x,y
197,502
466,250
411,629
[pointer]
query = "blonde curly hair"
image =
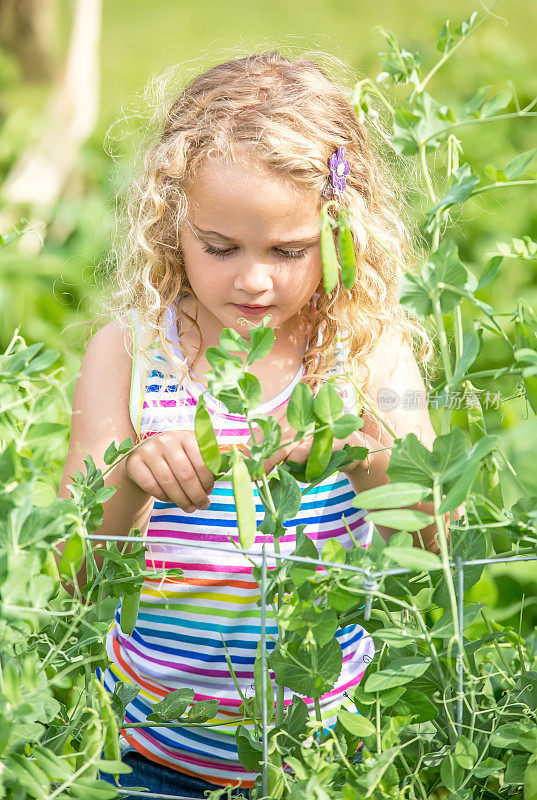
x,y
292,116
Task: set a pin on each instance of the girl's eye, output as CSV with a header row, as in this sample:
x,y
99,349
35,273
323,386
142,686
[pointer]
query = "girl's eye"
x,y
215,251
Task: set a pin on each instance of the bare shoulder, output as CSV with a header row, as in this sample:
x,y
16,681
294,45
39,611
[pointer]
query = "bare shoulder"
x,y
101,397
397,389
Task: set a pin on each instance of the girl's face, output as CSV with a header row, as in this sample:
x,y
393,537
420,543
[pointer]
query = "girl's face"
x,y
250,240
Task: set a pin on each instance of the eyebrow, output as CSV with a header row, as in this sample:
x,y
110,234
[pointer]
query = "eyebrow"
x,y
294,242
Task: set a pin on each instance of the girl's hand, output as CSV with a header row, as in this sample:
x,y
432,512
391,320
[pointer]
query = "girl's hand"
x,y
299,451
170,467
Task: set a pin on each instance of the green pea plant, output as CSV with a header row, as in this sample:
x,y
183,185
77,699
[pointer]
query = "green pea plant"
x,y
447,707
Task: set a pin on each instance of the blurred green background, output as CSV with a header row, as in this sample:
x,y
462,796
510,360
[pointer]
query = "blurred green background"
x,y
51,278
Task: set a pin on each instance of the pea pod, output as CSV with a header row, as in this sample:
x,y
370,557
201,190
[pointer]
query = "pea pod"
x,y
72,556
244,500
328,254
91,744
347,253
206,437
258,676
319,457
111,749
129,612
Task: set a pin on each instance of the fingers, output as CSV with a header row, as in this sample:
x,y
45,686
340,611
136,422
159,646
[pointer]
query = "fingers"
x,y
178,480
170,467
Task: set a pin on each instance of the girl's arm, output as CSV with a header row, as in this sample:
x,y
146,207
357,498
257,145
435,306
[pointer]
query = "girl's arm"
x,y
100,416
396,381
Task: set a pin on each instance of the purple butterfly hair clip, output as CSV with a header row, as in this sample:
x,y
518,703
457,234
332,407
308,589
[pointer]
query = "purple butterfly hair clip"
x,y
339,169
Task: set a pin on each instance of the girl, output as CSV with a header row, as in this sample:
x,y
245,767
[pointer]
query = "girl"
x,y
224,230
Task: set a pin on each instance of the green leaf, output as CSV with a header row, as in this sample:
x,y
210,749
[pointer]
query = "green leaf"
x,y
391,495
464,182
173,706
250,750
251,388
444,626
515,736
519,164
451,773
291,663
469,545
444,266
233,341
300,407
496,103
465,753
261,341
488,767
414,295
416,558
398,672
396,637
477,100
327,404
411,461
202,711
404,519
490,271
417,705
356,723
286,495
334,551
345,425
516,769
459,492
471,344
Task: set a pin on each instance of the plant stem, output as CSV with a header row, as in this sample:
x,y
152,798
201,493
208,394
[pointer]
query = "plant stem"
x,y
316,701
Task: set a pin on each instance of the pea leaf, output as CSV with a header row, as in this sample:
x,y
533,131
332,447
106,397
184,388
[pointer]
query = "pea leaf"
x,y
399,671
519,164
444,626
405,519
327,404
345,425
292,666
233,341
300,413
355,723
261,341
416,558
465,753
391,495
202,711
250,750
173,706
451,773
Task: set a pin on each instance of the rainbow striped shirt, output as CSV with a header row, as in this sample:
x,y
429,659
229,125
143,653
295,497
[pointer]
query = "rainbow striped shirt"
x,y
183,623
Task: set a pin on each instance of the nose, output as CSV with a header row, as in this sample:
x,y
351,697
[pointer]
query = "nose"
x,y
254,278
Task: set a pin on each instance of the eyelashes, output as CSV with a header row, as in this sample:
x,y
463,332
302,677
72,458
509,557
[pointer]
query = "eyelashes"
x,y
214,251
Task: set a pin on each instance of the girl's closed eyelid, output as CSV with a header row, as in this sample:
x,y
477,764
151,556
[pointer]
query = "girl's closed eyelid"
x,y
223,253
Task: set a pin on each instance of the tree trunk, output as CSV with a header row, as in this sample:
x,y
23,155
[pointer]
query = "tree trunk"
x,y
38,178
27,30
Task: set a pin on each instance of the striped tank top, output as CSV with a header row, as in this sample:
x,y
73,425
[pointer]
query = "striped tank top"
x,y
185,624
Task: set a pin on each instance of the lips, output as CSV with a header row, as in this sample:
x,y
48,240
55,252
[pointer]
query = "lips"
x,y
252,309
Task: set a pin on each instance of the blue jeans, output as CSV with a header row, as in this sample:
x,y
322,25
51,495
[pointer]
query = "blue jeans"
x,y
161,780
